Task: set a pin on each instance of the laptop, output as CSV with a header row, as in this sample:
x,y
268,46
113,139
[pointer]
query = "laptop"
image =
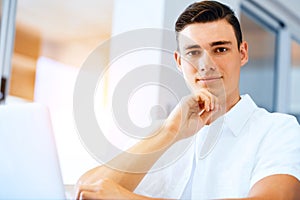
x,y
29,167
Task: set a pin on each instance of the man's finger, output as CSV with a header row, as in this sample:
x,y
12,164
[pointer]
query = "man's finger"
x,y
206,116
87,195
85,188
207,98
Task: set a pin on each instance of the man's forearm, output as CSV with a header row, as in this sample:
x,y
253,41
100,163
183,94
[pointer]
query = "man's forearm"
x,y
131,166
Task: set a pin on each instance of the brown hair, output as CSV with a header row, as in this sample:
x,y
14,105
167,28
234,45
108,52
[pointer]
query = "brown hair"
x,y
208,11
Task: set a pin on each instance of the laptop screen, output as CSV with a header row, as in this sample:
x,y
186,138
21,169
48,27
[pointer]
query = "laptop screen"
x,y
29,164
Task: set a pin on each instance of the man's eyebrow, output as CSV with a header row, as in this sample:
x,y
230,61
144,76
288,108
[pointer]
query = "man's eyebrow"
x,y
194,46
220,43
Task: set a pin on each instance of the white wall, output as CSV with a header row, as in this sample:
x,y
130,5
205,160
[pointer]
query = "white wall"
x,y
54,88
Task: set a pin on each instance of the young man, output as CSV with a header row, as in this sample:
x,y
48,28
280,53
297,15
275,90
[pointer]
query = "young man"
x,y
256,155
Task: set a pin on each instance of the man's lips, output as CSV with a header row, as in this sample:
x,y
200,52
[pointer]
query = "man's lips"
x,y
208,79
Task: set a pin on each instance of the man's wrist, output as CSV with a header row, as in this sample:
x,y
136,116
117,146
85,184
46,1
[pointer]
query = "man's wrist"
x,y
170,133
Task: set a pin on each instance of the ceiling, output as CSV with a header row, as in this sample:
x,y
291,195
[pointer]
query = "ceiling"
x,y
68,19
291,5
286,10
71,19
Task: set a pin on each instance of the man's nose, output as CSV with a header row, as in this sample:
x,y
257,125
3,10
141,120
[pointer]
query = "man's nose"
x,y
205,63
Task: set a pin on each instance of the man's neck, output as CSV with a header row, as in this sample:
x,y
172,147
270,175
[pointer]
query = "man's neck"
x,y
232,101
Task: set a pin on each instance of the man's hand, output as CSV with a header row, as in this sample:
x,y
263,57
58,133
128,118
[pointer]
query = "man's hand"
x,y
192,113
102,189
106,189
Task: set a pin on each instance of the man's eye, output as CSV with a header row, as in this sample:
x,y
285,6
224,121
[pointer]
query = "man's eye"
x,y
221,50
193,53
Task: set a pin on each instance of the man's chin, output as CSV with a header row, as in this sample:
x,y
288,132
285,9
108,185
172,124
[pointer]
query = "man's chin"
x,y
216,91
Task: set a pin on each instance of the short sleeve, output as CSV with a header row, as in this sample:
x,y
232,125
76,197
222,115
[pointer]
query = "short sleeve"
x,y
279,151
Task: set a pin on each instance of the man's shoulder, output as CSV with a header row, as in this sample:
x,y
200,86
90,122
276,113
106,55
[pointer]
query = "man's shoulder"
x,y
278,147
260,114
275,126
274,118
264,124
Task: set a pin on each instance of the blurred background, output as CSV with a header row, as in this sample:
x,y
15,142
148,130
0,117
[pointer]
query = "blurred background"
x,y
44,43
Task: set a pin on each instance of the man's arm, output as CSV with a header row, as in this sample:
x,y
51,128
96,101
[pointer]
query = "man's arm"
x,y
139,158
275,187
107,189
278,186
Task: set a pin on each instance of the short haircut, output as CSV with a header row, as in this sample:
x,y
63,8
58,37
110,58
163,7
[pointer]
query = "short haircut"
x,y
208,11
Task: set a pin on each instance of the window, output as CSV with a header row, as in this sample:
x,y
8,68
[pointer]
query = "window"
x,y
8,11
272,75
258,76
295,79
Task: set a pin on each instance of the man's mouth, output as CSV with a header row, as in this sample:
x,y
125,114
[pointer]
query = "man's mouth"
x,y
208,79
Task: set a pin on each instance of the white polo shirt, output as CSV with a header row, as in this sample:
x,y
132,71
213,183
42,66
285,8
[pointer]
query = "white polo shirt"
x,y
229,156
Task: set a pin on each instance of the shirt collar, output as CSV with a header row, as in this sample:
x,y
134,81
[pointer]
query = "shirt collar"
x,y
239,114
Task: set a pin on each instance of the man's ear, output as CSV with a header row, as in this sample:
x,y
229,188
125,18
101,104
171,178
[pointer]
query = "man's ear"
x,y
244,53
178,60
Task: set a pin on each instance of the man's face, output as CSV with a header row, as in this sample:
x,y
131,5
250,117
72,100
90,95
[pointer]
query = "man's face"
x,y
209,57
